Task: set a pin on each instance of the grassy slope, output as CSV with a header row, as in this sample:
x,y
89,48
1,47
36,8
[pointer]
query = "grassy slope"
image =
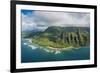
x,y
56,37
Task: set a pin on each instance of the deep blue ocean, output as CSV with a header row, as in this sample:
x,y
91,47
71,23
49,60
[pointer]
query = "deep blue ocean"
x,y
31,53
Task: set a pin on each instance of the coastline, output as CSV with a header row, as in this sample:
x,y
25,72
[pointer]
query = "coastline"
x,y
51,49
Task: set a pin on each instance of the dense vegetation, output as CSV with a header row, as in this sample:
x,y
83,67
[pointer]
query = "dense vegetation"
x,y
62,37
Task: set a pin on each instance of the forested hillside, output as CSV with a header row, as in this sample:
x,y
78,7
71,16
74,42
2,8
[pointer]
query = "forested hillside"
x,y
62,37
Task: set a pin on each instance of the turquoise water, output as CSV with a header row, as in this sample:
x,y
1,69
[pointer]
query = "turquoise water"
x,y
31,53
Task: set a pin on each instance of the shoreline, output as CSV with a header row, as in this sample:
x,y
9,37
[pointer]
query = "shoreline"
x,y
52,49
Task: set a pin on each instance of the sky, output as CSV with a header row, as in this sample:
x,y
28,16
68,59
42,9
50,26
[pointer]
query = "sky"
x,y
40,20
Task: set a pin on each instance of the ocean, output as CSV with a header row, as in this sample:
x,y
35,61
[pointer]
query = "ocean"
x,y
31,53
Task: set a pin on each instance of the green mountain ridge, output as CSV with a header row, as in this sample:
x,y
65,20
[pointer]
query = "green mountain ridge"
x,y
63,37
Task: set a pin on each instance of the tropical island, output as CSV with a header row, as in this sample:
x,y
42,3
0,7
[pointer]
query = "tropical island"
x,y
58,38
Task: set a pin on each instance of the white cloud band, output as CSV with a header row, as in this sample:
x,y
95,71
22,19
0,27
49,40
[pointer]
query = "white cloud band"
x,y
43,19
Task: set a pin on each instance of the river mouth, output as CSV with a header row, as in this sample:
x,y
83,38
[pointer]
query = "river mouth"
x,y
35,53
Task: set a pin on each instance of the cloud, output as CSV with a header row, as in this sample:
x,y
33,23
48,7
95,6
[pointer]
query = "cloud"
x,y
64,18
40,20
27,22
